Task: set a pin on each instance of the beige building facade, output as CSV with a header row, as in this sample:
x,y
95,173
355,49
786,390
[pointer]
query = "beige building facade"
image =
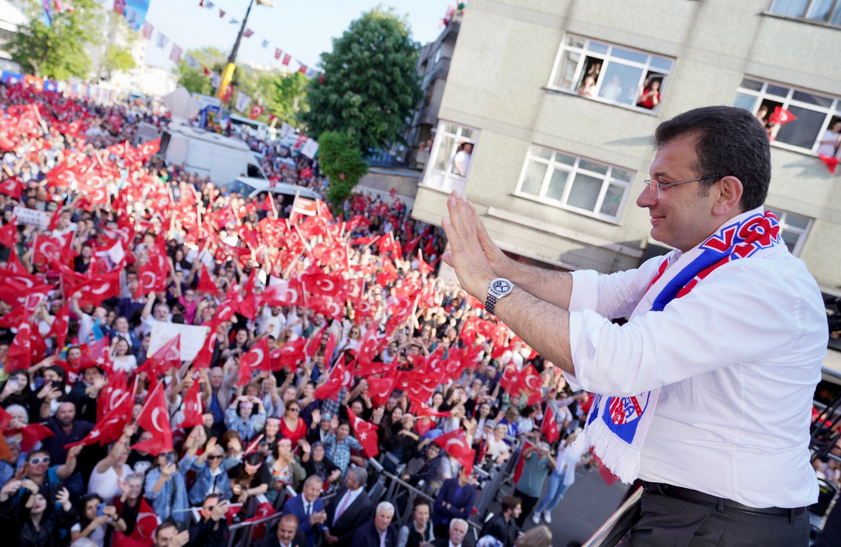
x,y
547,119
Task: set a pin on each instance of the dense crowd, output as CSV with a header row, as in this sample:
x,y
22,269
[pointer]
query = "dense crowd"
x,y
178,358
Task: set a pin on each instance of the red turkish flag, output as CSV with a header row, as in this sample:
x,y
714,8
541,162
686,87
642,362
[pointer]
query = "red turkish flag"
x,y
52,249
256,359
150,148
12,187
155,419
112,395
338,377
15,317
781,116
8,234
192,407
549,427
830,162
206,284
455,444
366,434
419,409
20,352
368,346
109,428
531,383
329,306
95,289
167,357
315,281
150,278
289,294
423,267
205,354
510,380
229,92
30,435
289,355
518,472
380,389
256,111
144,528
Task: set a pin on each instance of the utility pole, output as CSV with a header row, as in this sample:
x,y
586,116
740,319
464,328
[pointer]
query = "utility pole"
x,y
228,73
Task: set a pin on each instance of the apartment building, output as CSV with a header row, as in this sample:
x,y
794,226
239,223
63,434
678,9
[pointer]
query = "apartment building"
x,y
547,118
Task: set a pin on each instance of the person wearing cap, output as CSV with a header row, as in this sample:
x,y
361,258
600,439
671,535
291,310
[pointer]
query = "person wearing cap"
x,y
319,429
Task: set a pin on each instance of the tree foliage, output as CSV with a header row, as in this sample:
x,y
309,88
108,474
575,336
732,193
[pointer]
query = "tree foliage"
x,y
63,50
341,160
370,82
117,58
280,94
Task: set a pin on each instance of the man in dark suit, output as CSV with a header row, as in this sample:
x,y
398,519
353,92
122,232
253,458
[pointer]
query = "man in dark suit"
x,y
455,499
309,508
504,526
378,532
350,507
211,530
287,535
457,531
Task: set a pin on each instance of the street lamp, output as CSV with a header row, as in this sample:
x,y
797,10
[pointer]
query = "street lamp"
x,y
228,73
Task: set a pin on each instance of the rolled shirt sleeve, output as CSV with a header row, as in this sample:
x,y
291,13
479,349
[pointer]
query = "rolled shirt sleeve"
x,y
713,326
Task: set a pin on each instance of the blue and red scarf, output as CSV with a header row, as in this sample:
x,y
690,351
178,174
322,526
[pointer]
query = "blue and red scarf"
x,y
616,426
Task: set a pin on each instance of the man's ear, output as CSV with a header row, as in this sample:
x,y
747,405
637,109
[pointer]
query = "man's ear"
x,y
729,197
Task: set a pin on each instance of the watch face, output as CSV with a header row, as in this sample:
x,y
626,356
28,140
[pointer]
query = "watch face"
x,y
502,286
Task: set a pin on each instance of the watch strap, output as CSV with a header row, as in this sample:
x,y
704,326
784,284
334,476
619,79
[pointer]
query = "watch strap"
x,y
490,302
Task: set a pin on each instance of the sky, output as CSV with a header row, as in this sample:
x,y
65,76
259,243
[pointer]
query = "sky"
x,y
304,29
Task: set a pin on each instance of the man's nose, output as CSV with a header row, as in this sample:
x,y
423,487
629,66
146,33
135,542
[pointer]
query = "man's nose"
x,y
647,197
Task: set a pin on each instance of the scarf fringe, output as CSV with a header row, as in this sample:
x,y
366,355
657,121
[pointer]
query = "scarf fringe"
x,y
621,458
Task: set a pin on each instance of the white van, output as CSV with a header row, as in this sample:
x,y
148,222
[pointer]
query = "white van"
x,y
209,154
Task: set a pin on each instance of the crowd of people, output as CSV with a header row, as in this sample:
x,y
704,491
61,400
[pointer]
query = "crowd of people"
x,y
178,358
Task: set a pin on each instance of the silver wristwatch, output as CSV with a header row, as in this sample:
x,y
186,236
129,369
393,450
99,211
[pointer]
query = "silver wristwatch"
x,y
500,288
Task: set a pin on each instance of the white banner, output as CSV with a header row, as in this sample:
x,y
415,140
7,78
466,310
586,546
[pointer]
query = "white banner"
x,y
243,101
192,338
310,148
286,130
32,217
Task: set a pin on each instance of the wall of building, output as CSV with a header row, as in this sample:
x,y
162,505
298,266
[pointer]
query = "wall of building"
x,y
498,83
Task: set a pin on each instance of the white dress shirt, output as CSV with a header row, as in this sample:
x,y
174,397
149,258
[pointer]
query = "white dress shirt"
x,y
738,359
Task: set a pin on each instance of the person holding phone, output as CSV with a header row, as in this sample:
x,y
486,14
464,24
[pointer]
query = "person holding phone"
x,y
165,489
94,518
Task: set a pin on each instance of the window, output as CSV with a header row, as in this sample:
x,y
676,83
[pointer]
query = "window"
x,y
437,55
585,186
795,228
817,11
451,157
609,73
816,129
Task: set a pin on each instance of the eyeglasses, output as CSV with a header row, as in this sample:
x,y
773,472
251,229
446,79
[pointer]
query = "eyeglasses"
x,y
36,461
295,409
654,186
216,457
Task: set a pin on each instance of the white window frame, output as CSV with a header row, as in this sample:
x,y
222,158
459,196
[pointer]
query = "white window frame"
x,y
437,55
451,181
782,216
606,59
572,170
830,112
802,17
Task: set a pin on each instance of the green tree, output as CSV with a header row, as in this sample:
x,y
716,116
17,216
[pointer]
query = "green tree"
x,y
194,79
341,160
370,82
287,96
117,58
59,52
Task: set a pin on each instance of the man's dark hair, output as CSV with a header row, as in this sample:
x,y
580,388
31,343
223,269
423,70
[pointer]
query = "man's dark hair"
x,y
169,522
731,142
420,501
510,502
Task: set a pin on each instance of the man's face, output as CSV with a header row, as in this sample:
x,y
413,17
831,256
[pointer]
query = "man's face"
x,y
383,519
681,216
421,515
207,506
65,414
457,532
164,537
121,324
90,375
517,511
286,531
312,489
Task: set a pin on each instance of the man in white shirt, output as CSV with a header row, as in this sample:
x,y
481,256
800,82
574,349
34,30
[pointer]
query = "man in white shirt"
x,y
721,354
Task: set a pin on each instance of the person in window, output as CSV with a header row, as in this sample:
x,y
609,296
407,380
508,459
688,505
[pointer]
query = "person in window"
x,y
831,140
612,90
588,87
650,95
461,161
